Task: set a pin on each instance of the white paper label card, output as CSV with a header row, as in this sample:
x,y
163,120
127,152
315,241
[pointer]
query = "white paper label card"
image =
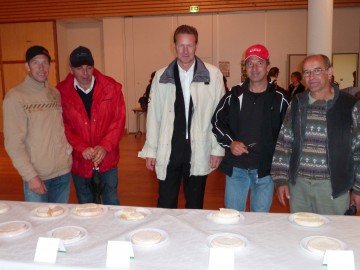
x,y
119,254
62,246
339,259
221,259
46,250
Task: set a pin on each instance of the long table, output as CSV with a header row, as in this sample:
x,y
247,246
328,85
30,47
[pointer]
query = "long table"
x,y
273,242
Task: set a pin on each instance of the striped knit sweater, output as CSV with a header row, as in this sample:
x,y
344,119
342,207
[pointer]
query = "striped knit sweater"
x,y
319,153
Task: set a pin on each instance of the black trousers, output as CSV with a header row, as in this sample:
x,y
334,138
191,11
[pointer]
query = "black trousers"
x,y
194,186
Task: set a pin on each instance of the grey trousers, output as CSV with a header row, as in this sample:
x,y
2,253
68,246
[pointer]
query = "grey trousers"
x,y
315,196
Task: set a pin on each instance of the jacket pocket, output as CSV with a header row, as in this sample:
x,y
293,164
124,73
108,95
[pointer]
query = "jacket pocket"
x,y
163,154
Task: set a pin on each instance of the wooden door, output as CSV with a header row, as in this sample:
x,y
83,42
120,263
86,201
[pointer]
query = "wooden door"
x,y
15,39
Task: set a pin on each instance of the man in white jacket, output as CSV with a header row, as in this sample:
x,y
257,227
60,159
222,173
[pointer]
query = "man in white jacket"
x,y
179,142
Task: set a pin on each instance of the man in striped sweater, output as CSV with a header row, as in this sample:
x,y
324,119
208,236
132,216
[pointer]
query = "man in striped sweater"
x,y
316,161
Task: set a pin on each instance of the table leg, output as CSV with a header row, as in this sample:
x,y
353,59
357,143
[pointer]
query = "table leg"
x,y
138,131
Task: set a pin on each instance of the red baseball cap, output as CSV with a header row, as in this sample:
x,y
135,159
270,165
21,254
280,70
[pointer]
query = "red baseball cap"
x,y
257,50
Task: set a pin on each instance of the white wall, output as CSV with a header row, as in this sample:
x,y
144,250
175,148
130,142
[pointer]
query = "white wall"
x,y
131,48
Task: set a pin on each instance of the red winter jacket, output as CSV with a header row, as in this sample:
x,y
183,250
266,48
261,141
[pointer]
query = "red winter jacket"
x,y
105,127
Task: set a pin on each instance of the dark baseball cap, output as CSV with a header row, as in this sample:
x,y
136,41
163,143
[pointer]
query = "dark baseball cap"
x,y
36,50
81,56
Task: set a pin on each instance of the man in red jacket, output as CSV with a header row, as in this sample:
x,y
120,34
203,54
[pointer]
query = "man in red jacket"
x,y
94,118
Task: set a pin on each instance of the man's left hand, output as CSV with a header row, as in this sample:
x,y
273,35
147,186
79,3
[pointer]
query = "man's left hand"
x,y
215,161
99,154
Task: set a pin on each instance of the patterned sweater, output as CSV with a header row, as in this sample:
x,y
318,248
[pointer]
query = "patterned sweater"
x,y
34,131
315,150
313,159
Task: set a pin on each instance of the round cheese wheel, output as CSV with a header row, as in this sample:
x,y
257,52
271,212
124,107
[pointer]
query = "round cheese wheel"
x,y
227,242
320,244
308,219
12,228
88,210
49,211
131,214
146,237
67,233
226,216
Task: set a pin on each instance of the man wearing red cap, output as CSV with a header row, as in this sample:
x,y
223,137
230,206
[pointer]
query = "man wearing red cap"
x,y
34,133
246,123
94,117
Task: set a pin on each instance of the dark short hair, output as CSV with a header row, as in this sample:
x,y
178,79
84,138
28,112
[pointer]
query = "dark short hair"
x,y
36,50
186,29
297,74
273,71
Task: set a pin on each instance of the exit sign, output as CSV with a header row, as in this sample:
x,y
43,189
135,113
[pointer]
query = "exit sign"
x,y
194,9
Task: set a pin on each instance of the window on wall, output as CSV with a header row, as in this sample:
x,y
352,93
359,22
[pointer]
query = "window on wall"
x,y
346,69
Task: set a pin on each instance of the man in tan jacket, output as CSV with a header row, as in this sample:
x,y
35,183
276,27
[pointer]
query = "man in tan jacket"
x,y
34,133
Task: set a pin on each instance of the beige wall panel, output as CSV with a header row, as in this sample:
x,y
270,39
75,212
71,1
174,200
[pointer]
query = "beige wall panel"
x,y
113,33
346,28
15,74
129,83
204,26
114,56
285,34
62,46
148,47
18,37
236,33
346,33
88,34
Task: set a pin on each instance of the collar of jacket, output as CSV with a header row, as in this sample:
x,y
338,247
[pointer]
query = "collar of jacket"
x,y
201,73
35,84
245,88
304,97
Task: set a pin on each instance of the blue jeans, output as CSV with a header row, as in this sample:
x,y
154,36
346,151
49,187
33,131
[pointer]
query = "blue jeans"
x,y
237,189
58,190
109,195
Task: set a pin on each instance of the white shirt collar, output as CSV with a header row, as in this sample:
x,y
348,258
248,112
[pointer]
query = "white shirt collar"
x,y
190,70
86,91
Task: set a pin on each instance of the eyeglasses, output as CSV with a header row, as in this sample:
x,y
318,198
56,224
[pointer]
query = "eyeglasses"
x,y
315,71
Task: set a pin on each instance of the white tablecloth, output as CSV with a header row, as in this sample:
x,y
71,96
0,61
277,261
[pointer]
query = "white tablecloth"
x,y
273,241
